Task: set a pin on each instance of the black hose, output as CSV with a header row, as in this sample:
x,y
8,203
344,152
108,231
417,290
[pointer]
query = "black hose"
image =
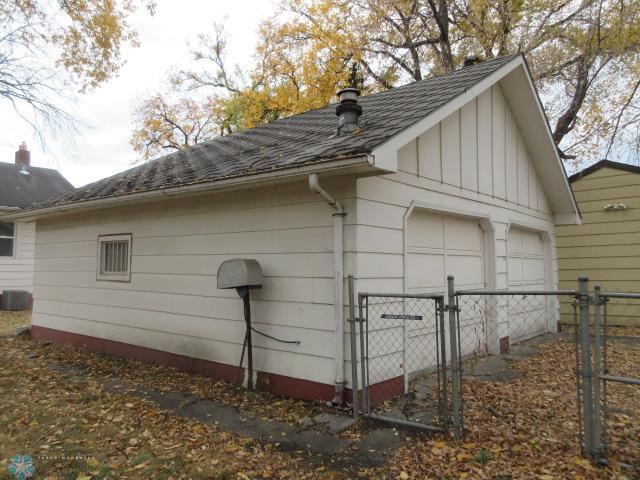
x,y
294,342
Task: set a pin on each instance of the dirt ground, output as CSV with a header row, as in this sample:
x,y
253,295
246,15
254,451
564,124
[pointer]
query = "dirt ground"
x,y
524,428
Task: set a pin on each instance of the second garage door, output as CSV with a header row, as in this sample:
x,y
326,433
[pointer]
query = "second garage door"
x,y
526,271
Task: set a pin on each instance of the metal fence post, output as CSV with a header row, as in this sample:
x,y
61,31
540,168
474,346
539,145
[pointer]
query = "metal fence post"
x,y
363,353
354,354
597,343
456,391
444,407
587,385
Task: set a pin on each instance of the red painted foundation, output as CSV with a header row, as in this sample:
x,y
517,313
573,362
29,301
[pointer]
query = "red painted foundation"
x,y
295,387
379,392
270,382
505,345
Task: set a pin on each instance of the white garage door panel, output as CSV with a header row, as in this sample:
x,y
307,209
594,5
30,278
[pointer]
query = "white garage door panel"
x,y
515,267
419,263
456,242
425,231
467,271
527,316
534,271
526,260
463,234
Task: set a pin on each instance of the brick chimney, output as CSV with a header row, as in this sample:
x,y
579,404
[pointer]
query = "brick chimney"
x,y
23,156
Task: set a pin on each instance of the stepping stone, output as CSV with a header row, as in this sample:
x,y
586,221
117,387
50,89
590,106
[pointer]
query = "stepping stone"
x,y
333,424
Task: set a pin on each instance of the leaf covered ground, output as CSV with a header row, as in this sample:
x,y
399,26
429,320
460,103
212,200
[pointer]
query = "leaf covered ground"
x,y
77,429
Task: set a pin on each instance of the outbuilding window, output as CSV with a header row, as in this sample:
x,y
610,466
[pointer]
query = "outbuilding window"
x,y
7,239
114,257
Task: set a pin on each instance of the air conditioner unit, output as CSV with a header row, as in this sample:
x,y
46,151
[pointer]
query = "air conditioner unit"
x,y
15,300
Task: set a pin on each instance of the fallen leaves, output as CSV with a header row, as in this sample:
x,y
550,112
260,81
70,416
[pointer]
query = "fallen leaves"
x,y
76,429
525,428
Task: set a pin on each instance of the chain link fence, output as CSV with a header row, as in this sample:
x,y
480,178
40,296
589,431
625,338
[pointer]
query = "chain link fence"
x,y
403,359
504,318
616,396
416,354
493,322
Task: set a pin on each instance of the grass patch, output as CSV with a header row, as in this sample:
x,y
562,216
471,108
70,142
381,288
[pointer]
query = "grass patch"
x,y
9,320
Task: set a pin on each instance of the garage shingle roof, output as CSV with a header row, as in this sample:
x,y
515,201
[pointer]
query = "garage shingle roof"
x,y
292,141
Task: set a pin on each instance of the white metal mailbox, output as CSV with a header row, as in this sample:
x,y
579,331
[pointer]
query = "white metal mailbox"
x,y
240,272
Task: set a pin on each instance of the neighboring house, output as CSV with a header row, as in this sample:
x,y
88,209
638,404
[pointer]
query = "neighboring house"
x,y
606,247
453,175
20,186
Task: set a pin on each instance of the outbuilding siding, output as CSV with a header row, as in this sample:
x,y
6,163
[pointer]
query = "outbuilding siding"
x,y
172,303
606,246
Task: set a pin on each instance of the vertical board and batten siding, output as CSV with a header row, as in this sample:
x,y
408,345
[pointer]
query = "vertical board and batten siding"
x,y
172,302
475,163
606,246
16,273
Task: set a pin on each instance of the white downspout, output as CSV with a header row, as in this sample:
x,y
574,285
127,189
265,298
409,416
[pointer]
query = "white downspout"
x,y
338,268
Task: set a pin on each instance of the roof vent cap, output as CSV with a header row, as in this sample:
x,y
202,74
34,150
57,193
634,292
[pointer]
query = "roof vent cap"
x,y
348,110
471,60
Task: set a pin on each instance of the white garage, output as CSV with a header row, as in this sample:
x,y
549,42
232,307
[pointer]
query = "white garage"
x,y
393,198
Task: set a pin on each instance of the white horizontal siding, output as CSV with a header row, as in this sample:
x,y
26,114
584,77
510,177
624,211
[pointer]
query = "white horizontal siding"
x,y
172,302
16,272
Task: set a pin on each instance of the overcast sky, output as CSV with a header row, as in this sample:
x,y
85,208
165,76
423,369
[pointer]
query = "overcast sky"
x,y
102,149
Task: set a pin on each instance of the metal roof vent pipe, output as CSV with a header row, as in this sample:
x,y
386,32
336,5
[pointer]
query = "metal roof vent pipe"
x,y
348,110
471,60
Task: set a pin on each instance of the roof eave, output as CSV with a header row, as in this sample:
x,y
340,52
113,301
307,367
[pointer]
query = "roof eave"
x,y
356,164
604,164
5,208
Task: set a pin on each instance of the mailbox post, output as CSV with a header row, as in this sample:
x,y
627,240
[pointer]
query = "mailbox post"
x,y
243,274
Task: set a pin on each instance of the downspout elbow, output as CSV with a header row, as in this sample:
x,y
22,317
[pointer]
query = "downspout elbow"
x,y
314,185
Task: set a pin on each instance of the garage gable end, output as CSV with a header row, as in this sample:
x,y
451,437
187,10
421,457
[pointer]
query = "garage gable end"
x,y
495,140
479,148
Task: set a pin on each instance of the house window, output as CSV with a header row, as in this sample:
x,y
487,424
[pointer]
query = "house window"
x,y
114,257
7,238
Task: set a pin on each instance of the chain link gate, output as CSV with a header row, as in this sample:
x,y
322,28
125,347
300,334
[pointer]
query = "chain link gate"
x,y
503,319
403,360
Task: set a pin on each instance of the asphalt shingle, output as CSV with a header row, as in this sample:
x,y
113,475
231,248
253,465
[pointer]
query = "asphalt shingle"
x,y
292,141
18,189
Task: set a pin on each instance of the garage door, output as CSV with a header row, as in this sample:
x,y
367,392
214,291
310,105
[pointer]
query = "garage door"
x,y
526,260
441,245
526,271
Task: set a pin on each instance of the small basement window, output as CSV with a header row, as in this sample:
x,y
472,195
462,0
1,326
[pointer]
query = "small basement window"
x,y
114,257
7,239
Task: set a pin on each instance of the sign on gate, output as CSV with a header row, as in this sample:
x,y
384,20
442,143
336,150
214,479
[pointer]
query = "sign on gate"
x,y
401,317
